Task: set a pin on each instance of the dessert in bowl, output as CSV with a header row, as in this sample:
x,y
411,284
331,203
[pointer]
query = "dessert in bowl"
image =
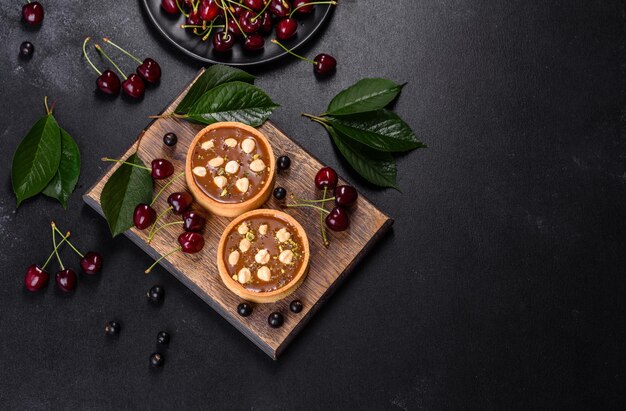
x,y
230,168
263,255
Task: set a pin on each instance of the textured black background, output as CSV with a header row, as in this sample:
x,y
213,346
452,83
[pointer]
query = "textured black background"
x,y
501,284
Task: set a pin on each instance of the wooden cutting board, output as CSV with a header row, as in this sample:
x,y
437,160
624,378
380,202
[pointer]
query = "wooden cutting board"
x,y
199,271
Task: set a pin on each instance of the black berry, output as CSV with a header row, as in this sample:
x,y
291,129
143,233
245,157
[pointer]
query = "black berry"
x,y
295,306
112,328
280,193
283,162
170,139
275,320
244,309
163,338
26,49
156,294
156,360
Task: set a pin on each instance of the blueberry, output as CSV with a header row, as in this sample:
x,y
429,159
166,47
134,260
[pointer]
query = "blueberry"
x,y
244,309
156,294
283,162
170,139
275,320
156,360
163,338
280,193
112,328
295,306
26,49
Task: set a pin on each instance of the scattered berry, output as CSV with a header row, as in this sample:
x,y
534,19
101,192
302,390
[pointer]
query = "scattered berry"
x,y
156,294
244,309
156,360
275,320
112,328
161,169
170,139
26,49
32,13
295,306
326,178
36,278
91,263
163,338
325,64
66,280
283,162
280,193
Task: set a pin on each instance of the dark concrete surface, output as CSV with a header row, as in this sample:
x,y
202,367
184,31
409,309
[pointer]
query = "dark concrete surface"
x,y
500,286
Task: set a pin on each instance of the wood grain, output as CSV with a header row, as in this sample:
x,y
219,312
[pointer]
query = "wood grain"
x,y
199,271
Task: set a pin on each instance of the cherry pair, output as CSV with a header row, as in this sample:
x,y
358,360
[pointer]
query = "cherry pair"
x,y
109,83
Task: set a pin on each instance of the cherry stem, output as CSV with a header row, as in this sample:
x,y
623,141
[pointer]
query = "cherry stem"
x,y
194,26
304,200
292,53
65,237
181,9
168,115
295,205
324,239
165,186
107,40
207,33
162,226
237,23
67,241
314,118
111,61
161,258
239,4
259,14
151,234
112,160
56,248
313,3
223,7
87,57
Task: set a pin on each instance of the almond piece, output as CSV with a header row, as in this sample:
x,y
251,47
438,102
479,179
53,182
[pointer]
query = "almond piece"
x,y
286,257
244,275
220,181
264,274
248,145
257,165
242,184
244,245
199,171
216,162
283,235
262,257
263,229
231,167
233,258
230,142
207,145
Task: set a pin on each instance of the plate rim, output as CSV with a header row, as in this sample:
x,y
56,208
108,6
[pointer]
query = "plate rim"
x,y
155,23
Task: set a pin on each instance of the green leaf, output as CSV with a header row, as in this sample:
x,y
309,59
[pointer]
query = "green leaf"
x,y
211,78
64,181
127,187
235,101
377,167
36,159
381,129
365,95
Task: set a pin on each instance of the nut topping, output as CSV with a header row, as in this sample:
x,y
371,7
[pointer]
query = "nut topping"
x,y
283,235
248,145
233,258
264,274
199,171
243,228
207,145
244,275
230,142
220,181
244,245
257,165
231,167
262,257
286,257
242,184
216,162
263,229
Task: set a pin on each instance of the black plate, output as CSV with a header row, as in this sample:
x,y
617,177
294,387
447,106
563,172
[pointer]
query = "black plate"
x,y
169,27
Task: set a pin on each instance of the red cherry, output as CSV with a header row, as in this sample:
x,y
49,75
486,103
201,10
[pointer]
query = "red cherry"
x,y
180,202
338,219
208,10
194,18
326,178
223,42
36,278
254,42
325,64
299,6
266,23
345,196
191,242
161,169
256,5
237,10
280,8
144,216
66,280
249,23
193,221
133,86
32,13
286,29
91,263
109,83
170,7
149,70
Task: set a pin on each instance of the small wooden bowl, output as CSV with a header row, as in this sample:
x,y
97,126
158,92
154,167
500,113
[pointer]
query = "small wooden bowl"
x,y
271,296
231,209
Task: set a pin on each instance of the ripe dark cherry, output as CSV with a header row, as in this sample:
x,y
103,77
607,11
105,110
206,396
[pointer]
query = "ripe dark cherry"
x,y
112,328
280,8
35,278
208,10
338,219
156,294
144,216
163,338
296,306
249,23
170,7
134,86
161,169
325,64
194,18
32,13
266,23
66,280
326,178
109,83
26,50
304,9
91,263
223,42
237,10
256,5
233,29
180,202
286,29
254,42
345,196
157,360
244,309
283,162
191,242
149,71
280,193
170,139
193,221
275,320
